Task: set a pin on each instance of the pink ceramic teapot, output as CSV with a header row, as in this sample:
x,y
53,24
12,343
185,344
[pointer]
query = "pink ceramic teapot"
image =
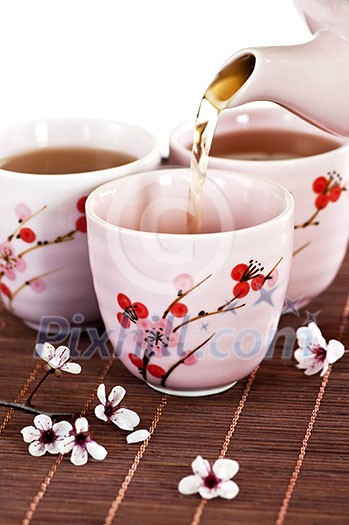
x,y
311,79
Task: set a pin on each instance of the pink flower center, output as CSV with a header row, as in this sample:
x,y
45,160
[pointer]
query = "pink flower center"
x,y
211,481
48,436
320,353
156,337
109,409
81,438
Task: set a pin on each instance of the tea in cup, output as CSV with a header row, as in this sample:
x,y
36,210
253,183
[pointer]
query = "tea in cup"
x,y
47,170
312,164
190,314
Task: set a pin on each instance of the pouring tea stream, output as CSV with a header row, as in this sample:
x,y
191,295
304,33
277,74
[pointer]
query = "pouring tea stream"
x,y
310,79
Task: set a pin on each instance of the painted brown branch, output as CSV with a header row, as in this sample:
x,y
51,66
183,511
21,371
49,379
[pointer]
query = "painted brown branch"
x,y
65,238
27,283
173,367
146,360
31,410
207,314
44,377
180,297
309,222
301,248
221,308
273,268
22,223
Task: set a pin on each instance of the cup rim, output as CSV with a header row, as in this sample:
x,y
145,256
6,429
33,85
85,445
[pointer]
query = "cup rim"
x,y
153,154
269,110
109,187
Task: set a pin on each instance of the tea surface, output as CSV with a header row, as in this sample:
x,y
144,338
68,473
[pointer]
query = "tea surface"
x,y
270,144
64,160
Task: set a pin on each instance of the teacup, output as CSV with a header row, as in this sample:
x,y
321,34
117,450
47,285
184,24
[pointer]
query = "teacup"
x,y
44,267
190,314
312,164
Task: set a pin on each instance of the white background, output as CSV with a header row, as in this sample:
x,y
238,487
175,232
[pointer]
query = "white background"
x,y
141,61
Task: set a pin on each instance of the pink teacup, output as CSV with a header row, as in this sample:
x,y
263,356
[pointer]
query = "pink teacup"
x,y
45,276
190,314
317,180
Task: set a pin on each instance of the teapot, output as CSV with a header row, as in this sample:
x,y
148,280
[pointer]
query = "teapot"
x,y
311,79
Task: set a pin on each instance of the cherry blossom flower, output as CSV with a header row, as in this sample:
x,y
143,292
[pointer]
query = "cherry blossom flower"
x,y
81,444
132,311
314,354
44,436
110,410
211,481
157,337
10,262
57,358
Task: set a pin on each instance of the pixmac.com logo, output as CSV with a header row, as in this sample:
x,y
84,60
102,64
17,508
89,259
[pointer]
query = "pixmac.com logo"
x,y
246,343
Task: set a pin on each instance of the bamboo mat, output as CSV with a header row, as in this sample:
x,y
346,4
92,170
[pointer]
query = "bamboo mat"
x,y
266,441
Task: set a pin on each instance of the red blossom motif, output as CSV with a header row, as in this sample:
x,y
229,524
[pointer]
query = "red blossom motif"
x,y
179,310
81,224
243,273
5,290
156,371
135,360
27,235
131,311
328,189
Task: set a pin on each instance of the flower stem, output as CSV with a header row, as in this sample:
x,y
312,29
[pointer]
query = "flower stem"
x,y
182,295
25,408
173,367
44,377
22,223
309,222
207,314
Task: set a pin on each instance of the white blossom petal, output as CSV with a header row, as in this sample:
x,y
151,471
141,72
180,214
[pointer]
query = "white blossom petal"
x,y
207,493
30,434
96,450
53,448
101,394
42,422
310,336
66,445
201,466
308,362
100,412
300,355
62,429
79,456
36,448
81,425
137,436
314,368
62,354
116,395
335,350
45,351
326,364
228,489
71,368
225,468
125,419
190,485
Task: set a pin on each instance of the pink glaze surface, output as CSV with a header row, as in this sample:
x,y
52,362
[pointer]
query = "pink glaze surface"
x,y
142,277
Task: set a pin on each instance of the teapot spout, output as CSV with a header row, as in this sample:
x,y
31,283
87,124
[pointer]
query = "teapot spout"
x,y
311,80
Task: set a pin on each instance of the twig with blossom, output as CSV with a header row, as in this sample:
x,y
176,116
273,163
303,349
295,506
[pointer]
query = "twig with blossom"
x,y
57,361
